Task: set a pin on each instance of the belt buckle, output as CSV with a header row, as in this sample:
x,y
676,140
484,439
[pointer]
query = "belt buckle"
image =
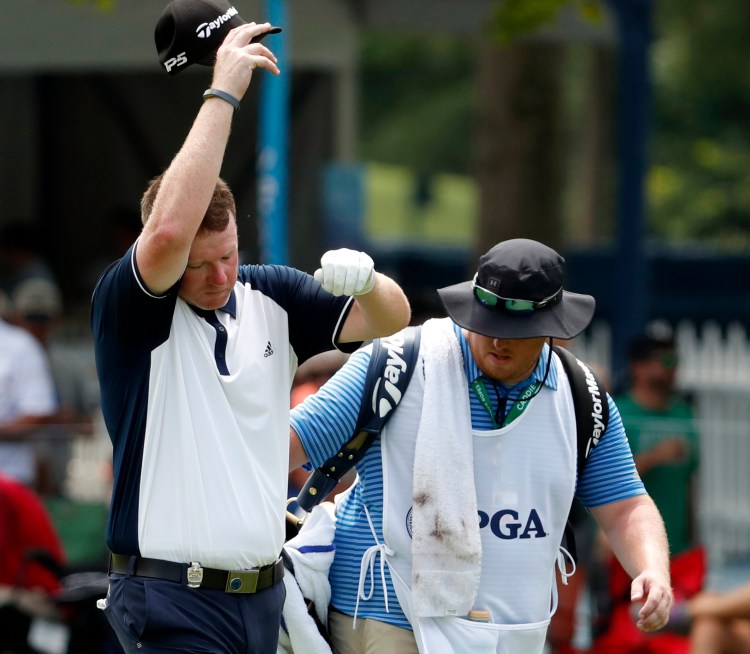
x,y
242,581
194,575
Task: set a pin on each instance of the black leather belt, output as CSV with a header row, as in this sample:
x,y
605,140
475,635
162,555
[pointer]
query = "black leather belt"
x,y
196,576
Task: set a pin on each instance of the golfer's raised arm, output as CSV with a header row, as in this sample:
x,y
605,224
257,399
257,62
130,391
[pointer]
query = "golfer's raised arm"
x,y
188,183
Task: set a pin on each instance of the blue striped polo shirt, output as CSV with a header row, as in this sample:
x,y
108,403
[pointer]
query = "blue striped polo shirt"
x,y
326,420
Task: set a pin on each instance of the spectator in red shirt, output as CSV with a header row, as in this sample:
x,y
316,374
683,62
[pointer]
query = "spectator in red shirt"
x,y
25,529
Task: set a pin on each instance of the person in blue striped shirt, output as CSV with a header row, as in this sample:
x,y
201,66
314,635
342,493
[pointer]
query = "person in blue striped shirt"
x,y
450,539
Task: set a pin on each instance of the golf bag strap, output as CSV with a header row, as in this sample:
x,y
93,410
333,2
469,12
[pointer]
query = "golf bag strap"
x,y
391,365
589,401
592,416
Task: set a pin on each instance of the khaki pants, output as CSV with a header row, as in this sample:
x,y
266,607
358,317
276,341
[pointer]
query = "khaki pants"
x,y
370,636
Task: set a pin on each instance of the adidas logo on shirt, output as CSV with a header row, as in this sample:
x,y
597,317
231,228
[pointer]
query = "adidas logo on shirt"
x,y
269,350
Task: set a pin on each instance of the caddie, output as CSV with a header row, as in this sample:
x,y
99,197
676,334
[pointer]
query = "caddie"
x,y
451,537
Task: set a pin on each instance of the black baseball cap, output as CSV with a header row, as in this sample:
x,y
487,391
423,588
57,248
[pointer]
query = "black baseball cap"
x,y
190,31
518,293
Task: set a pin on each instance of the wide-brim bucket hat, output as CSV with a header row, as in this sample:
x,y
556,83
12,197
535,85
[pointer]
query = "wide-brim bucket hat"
x,y
517,293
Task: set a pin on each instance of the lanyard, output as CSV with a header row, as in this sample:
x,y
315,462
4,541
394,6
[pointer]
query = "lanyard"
x,y
519,406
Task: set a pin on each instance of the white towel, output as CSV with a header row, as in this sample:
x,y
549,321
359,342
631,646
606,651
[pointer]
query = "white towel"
x,y
446,546
301,635
311,551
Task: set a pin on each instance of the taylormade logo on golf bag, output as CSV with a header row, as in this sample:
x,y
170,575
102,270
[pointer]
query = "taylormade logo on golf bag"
x,y
383,403
596,407
204,29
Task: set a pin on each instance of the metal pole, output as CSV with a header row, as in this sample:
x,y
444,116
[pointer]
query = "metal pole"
x,y
273,140
632,276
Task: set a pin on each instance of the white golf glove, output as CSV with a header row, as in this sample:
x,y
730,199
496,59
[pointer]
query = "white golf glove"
x,y
346,272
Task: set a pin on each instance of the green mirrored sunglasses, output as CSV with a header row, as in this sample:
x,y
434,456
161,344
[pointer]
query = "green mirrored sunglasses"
x,y
493,300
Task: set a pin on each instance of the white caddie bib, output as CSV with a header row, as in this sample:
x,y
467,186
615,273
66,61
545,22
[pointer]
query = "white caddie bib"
x,y
525,475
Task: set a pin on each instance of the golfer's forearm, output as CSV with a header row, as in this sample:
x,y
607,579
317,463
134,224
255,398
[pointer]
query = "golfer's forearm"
x,y
381,312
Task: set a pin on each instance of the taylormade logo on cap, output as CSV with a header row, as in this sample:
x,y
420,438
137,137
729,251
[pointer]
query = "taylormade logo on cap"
x,y
204,29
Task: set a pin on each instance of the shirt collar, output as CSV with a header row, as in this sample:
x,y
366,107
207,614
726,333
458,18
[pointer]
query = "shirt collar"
x,y
230,308
472,370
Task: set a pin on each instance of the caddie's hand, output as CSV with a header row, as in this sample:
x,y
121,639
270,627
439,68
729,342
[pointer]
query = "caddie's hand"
x,y
239,55
346,272
654,598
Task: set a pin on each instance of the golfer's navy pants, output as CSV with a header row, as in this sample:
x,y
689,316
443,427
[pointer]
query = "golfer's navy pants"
x,y
152,615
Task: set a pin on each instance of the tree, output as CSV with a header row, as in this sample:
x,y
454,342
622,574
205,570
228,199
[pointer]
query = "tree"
x,y
518,136
701,148
522,135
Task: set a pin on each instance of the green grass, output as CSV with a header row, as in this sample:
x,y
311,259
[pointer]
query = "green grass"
x,y
449,217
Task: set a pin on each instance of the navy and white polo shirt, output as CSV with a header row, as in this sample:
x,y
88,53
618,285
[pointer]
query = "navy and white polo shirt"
x,y
197,407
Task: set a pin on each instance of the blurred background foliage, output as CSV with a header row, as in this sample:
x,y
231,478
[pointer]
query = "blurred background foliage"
x,y
512,19
700,155
417,95
419,98
103,5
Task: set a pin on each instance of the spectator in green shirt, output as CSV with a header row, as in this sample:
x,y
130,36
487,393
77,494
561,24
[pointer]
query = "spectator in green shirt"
x,y
661,428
